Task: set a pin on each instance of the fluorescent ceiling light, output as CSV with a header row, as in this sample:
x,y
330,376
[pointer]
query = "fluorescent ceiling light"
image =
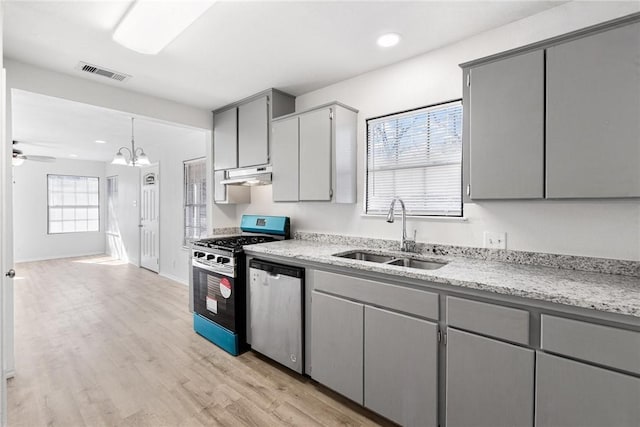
x,y
388,40
149,26
73,155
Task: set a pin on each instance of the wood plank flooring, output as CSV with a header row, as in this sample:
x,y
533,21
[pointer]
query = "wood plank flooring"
x,y
100,343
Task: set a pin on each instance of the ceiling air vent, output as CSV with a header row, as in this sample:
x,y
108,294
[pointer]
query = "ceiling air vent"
x,y
101,71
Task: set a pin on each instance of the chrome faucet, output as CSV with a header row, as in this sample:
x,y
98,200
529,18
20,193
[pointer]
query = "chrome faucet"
x,y
406,245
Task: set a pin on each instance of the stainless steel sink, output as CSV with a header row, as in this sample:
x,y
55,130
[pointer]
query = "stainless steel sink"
x,y
417,263
366,256
392,260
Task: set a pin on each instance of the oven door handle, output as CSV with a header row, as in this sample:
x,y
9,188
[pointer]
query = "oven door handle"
x,y
206,267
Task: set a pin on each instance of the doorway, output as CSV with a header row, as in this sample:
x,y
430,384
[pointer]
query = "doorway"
x,y
149,218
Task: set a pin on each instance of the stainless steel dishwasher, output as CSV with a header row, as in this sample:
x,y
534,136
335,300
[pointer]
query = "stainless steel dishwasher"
x,y
276,301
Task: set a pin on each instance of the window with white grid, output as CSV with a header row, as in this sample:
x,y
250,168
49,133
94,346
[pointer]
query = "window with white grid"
x,y
73,204
417,156
111,219
195,199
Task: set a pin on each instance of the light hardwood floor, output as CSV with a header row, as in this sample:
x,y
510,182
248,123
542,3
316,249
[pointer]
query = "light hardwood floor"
x,y
101,343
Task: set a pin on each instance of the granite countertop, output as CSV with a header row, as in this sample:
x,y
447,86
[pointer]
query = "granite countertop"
x,y
599,291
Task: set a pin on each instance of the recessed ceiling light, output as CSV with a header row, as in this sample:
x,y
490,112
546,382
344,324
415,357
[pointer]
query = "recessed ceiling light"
x,y
388,40
99,141
149,26
73,155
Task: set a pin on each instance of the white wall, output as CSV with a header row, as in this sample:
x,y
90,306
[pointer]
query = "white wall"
x,y
609,229
178,145
31,241
46,82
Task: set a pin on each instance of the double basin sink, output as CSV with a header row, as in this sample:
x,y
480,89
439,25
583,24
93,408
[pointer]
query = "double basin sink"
x,y
390,259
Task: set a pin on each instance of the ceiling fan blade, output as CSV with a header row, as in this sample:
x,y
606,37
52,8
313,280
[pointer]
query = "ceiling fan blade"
x,y
40,158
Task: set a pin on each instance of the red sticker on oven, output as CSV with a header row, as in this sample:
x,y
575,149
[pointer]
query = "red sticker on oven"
x,y
225,287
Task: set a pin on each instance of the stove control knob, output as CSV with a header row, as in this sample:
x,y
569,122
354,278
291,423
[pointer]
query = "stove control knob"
x,y
223,260
210,257
198,254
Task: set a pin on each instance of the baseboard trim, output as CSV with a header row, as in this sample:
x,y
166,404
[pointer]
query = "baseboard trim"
x,y
16,261
174,278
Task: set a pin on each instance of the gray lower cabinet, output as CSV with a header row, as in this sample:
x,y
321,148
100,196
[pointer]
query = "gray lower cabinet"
x,y
593,106
574,394
315,155
489,383
401,367
284,160
506,128
337,328
253,133
225,137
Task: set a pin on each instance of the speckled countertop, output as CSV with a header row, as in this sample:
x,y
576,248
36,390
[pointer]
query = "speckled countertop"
x,y
603,292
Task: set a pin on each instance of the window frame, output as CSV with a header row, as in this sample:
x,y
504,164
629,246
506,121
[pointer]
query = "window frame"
x,y
107,222
364,212
49,233
185,241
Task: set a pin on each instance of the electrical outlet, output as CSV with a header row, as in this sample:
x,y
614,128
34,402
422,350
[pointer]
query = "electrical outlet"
x,y
493,240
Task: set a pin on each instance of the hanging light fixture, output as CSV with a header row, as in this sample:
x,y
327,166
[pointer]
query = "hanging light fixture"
x,y
137,157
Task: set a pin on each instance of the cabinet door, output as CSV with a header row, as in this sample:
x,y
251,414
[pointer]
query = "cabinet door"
x,y
574,394
253,133
225,140
336,346
489,383
315,155
401,367
284,160
506,128
593,106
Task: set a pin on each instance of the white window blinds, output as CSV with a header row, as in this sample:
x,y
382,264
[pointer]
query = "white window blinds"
x,y
417,156
195,199
73,204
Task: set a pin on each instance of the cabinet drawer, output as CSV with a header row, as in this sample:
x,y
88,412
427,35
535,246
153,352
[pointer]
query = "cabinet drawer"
x,y
506,323
400,298
617,348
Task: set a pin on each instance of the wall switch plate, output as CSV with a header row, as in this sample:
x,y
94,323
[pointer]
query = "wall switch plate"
x,y
493,240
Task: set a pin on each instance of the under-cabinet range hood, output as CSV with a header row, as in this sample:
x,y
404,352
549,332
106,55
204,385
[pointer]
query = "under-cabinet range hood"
x,y
260,175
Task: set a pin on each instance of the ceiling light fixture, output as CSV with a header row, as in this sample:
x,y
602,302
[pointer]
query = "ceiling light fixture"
x,y
73,155
136,156
99,141
388,40
149,26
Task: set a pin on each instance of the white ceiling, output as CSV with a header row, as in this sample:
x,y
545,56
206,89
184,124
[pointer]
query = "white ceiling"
x,y
242,47
48,126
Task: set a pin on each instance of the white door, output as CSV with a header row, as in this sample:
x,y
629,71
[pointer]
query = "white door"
x,y
149,219
6,255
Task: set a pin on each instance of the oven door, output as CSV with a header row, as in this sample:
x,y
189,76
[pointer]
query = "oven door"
x,y
215,297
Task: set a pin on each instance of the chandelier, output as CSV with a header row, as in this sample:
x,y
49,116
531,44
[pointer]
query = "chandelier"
x,y
135,157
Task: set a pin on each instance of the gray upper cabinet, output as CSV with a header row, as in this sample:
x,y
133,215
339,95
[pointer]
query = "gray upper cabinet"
x,y
489,383
225,136
574,394
315,155
506,128
284,160
401,367
241,131
593,111
337,328
253,133
324,157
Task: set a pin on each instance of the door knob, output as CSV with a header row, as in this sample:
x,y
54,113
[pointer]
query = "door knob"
x,y
11,273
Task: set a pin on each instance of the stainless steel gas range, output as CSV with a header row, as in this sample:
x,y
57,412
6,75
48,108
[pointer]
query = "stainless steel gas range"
x,y
219,282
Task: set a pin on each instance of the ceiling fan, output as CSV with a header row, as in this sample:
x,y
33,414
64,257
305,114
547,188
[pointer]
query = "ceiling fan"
x,y
19,157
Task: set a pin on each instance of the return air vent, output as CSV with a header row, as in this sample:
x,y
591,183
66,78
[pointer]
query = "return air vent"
x,y
101,71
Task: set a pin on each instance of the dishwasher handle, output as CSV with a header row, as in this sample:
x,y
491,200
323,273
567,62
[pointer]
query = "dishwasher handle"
x,y
274,270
